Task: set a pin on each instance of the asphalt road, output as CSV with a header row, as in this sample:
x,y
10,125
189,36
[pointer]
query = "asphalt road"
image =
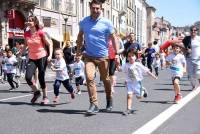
x,y
18,116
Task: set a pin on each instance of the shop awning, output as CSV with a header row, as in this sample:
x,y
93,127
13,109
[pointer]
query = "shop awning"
x,y
54,34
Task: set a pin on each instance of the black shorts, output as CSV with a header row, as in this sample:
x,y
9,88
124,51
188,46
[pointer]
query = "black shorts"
x,y
176,77
79,80
112,67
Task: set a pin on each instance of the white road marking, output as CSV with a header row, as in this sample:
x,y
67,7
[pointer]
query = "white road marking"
x,y
153,124
17,97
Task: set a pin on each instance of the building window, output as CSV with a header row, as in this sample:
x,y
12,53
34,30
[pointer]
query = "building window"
x,y
55,4
113,18
108,14
43,3
37,1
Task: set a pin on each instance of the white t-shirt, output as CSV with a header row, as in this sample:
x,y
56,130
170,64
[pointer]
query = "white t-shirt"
x,y
4,59
177,61
162,56
62,74
79,69
135,71
156,62
10,68
195,43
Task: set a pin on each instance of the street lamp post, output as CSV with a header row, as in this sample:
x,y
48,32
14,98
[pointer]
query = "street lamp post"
x,y
65,19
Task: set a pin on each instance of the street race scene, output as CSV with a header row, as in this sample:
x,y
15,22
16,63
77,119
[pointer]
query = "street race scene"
x,y
99,66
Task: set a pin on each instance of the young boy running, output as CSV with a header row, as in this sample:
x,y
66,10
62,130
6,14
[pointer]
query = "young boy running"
x,y
79,73
177,63
134,75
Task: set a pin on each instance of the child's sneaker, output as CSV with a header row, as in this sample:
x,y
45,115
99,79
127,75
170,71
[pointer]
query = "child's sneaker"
x,y
145,93
72,95
45,101
79,92
177,98
11,89
56,99
17,85
128,112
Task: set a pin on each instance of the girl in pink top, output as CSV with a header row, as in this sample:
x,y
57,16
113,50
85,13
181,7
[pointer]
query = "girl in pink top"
x,y
36,41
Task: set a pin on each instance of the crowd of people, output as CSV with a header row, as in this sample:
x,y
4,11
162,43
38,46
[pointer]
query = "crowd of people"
x,y
99,47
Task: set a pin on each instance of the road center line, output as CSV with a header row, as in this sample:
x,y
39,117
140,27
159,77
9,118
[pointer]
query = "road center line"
x,y
153,124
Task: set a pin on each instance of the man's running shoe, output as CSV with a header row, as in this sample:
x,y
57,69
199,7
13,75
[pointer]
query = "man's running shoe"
x,y
93,109
36,95
177,98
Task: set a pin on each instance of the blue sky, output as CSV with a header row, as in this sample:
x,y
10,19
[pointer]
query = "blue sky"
x,y
177,12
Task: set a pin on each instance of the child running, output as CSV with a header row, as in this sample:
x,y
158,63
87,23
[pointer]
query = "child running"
x,y
3,65
79,68
134,75
61,75
177,64
156,63
11,64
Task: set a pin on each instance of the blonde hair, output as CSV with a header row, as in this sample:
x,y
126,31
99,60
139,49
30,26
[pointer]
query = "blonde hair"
x,y
66,44
59,49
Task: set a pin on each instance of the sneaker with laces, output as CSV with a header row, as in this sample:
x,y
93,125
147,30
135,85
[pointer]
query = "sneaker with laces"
x,y
93,109
45,101
36,95
177,98
128,112
56,99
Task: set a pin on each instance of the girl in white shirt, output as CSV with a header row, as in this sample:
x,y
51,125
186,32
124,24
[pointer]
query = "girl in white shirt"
x,y
61,75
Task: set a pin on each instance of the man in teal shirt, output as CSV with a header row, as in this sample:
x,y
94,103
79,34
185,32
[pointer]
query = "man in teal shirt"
x,y
95,31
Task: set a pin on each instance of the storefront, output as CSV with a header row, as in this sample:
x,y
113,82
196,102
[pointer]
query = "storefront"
x,y
13,15
16,25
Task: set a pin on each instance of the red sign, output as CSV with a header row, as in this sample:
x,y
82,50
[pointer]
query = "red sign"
x,y
10,14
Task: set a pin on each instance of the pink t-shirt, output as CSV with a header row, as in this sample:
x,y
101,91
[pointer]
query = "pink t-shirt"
x,y
111,50
35,44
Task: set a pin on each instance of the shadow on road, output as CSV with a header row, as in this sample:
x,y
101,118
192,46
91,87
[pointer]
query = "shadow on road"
x,y
83,112
61,111
35,104
14,91
167,89
161,102
16,103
